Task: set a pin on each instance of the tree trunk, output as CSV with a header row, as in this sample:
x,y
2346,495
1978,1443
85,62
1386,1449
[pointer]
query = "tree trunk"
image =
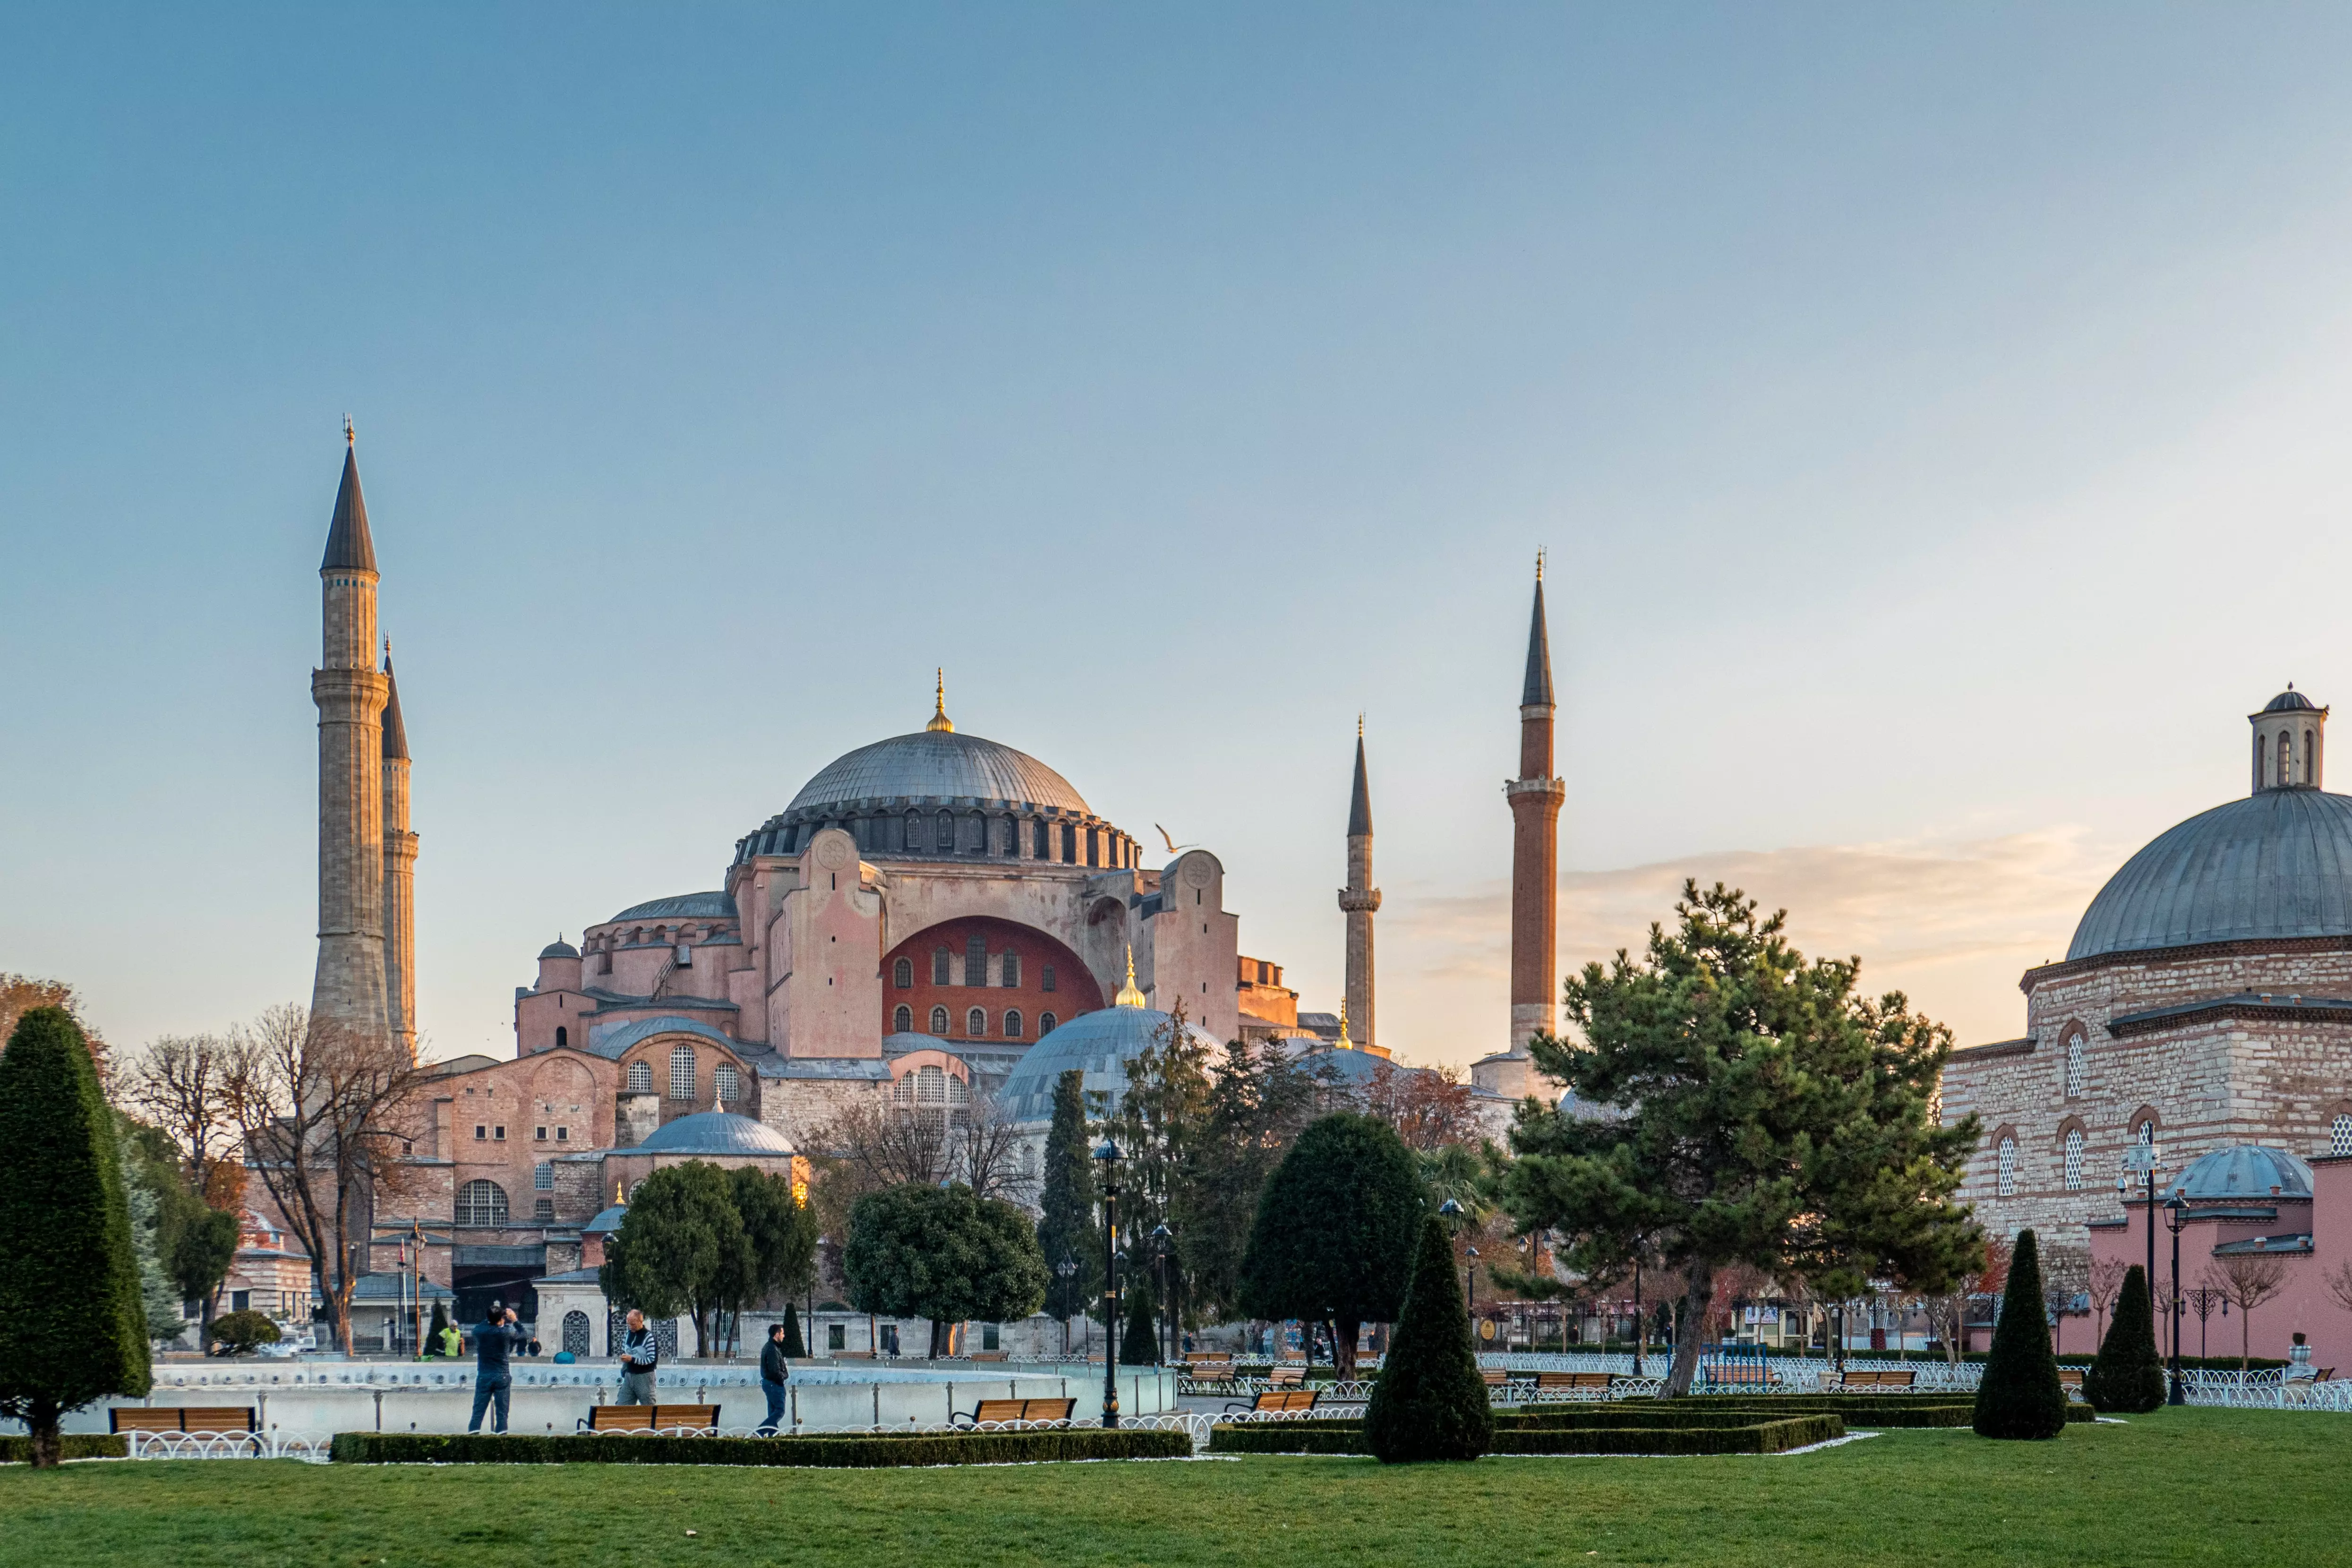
x,y
42,1423
939,1341
1343,1349
1699,1300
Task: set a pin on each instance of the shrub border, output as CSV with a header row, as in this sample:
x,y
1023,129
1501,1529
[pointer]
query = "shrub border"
x,y
881,1450
70,1446
1771,1436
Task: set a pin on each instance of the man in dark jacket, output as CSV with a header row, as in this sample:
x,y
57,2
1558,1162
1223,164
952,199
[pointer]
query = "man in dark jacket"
x,y
774,1370
494,1337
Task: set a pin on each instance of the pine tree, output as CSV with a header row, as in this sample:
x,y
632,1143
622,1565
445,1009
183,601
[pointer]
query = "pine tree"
x,y
75,1320
2020,1397
1431,1400
1139,1346
2127,1378
159,1301
793,1345
1335,1230
1066,1230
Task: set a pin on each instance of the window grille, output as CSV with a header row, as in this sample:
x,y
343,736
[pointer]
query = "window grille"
x,y
930,1086
2074,1159
1044,977
2077,1063
2339,1135
1045,1022
730,1086
641,1078
939,963
481,1203
902,974
542,1177
1012,1023
1012,969
681,1073
975,960
2008,1169
542,1208
940,1021
903,1020
975,1025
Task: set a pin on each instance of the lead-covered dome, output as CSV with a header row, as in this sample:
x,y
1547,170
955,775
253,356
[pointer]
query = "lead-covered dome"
x,y
1098,1044
715,1132
2276,864
938,764
2245,1171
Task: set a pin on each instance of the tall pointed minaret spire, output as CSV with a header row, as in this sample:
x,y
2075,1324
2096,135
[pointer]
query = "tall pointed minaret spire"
x,y
347,992
1357,901
399,873
1535,797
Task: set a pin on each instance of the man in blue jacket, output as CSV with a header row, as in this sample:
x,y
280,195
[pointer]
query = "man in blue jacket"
x,y
494,1339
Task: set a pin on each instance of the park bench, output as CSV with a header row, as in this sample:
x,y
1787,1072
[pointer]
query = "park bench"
x,y
1286,1377
988,1355
1001,1412
2070,1378
1280,1402
1582,1380
652,1418
1495,1376
1853,1379
181,1418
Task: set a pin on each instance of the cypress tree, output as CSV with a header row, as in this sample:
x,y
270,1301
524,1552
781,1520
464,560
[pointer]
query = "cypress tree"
x,y
433,1330
1067,1231
1139,1346
2020,1397
794,1346
2127,1378
1429,1402
73,1319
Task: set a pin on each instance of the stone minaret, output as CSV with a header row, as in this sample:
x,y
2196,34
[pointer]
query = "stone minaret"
x,y
399,872
1359,899
350,691
1535,796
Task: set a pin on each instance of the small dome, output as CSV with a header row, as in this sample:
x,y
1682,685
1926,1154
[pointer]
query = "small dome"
x,y
680,906
1099,1043
2246,1171
2276,864
2290,702
606,1222
558,948
716,1132
938,763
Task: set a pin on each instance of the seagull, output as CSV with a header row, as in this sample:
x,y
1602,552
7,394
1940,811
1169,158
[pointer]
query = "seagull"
x,y
1173,847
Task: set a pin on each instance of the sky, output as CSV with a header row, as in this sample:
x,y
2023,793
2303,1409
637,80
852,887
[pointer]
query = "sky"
x,y
1935,416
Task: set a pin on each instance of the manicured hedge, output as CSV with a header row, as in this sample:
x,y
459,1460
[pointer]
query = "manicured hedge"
x,y
70,1446
1873,1410
1765,1436
847,1452
1678,1417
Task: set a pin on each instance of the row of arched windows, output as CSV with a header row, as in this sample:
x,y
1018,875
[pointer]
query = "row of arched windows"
x,y
2075,1152
975,1023
685,1077
977,968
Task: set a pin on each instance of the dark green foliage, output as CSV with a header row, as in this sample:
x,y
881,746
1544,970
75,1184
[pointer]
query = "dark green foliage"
x,y
70,1446
1769,1115
882,1450
779,1253
201,1244
2020,1397
2127,1378
1872,1411
1429,1402
1067,1228
433,1330
1260,1099
681,1247
1335,1230
794,1346
941,1253
236,1333
1139,1345
1756,1436
73,1321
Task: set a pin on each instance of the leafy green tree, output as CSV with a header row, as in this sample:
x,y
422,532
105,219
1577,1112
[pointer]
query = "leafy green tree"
x,y
1162,1127
1431,1400
1140,1345
2019,1395
944,1255
779,1255
236,1333
73,1324
1757,1111
201,1243
191,1243
794,1345
2126,1378
1067,1230
680,1247
1260,1099
1336,1230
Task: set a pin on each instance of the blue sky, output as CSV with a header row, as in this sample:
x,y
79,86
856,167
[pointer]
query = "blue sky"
x,y
1935,415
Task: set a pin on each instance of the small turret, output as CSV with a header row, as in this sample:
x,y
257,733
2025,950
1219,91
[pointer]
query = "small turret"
x,y
2290,742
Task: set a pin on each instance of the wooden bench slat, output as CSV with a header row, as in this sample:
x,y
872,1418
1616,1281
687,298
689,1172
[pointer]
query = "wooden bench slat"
x,y
181,1418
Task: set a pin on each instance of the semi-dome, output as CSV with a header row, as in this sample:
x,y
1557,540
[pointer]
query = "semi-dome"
x,y
2245,1171
716,1132
712,905
1098,1044
938,764
2276,864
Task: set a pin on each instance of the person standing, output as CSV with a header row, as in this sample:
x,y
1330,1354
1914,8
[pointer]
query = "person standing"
x,y
774,1368
494,1338
640,1354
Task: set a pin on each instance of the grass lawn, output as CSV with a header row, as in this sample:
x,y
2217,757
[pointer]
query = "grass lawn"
x,y
2235,1487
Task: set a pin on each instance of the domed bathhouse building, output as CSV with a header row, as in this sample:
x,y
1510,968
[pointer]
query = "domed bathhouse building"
x,y
2205,1002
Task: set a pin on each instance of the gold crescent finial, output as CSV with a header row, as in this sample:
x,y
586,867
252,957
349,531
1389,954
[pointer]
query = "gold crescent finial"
x,y
1540,564
940,720
348,439
1345,1044
1129,996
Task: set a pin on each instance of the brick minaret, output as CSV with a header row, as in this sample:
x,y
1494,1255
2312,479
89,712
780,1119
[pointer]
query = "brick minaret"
x,y
1535,796
399,872
1359,899
349,990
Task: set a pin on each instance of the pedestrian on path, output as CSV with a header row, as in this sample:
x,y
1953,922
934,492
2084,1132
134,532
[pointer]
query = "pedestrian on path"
x,y
774,1368
640,1353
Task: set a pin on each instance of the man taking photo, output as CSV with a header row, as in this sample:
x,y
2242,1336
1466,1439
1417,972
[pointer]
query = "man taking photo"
x,y
494,1338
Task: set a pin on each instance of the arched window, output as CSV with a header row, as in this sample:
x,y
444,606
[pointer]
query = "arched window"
x,y
2007,1169
2077,1062
1012,1023
481,1203
2285,776
731,1084
940,1021
1044,977
2074,1159
975,960
1012,969
959,1091
563,1036
2340,1133
975,1025
542,1177
940,960
681,1073
1045,1022
2306,756
903,1020
1038,849
902,974
903,1091
641,1078
930,1086
575,1332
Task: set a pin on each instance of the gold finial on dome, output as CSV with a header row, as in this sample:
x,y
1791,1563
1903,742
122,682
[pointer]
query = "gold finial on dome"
x,y
940,720
1345,1043
1129,996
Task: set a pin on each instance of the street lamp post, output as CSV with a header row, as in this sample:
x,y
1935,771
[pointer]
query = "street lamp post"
x,y
1641,1325
2175,1212
1108,1153
1067,1268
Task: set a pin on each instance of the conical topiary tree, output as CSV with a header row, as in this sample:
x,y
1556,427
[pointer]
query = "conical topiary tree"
x,y
2020,1397
433,1329
1429,1402
2127,1378
1139,1346
793,1345
73,1321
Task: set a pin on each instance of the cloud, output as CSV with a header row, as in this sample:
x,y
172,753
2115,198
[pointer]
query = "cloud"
x,y
1951,923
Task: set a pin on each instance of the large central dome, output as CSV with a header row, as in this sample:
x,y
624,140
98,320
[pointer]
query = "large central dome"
x,y
938,764
2275,864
